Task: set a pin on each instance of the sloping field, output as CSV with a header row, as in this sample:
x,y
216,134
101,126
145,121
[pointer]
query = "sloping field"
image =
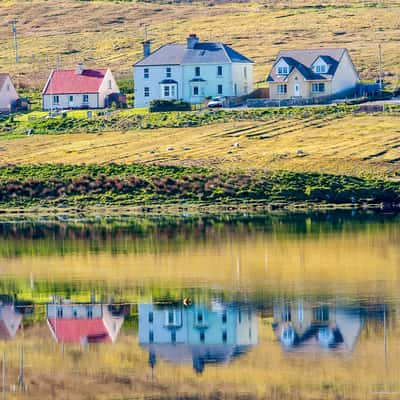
x,y
353,145
109,33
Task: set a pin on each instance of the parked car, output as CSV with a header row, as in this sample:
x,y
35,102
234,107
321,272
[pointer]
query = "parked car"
x,y
216,102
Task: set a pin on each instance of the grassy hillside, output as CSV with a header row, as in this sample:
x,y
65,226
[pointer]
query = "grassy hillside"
x,y
346,143
109,33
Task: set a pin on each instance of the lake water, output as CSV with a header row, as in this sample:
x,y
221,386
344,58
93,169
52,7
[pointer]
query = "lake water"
x,y
297,306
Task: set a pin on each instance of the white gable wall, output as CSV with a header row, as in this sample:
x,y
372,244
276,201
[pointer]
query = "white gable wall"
x,y
8,95
107,87
346,77
243,80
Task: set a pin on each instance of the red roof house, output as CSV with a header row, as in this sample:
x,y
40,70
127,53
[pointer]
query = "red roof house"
x,y
79,88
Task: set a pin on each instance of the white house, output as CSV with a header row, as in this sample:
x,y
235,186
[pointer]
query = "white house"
x,y
312,73
79,88
8,94
191,72
199,334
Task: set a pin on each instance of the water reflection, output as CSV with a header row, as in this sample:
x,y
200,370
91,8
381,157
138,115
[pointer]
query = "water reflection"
x,y
72,322
304,326
201,334
11,314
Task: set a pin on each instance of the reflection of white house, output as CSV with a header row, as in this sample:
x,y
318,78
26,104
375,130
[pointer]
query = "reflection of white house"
x,y
315,328
83,322
10,320
197,334
8,94
191,72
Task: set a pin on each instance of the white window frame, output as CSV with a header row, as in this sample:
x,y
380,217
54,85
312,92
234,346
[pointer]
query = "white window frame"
x,y
146,91
220,92
320,69
316,87
198,91
146,73
168,72
85,99
109,84
245,72
220,69
283,70
56,99
197,69
281,88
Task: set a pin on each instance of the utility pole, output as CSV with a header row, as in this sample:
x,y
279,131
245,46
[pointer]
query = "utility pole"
x,y
380,66
21,370
14,29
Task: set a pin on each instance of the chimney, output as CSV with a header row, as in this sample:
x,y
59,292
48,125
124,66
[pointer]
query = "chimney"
x,y
79,69
146,48
192,40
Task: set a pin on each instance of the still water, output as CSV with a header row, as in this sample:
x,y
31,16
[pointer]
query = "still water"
x,y
303,306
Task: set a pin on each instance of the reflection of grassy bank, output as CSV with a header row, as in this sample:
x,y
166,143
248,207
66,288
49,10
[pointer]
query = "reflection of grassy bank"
x,y
124,185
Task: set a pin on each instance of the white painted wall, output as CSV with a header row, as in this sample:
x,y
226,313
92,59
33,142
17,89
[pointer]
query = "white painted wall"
x,y
64,103
108,86
8,94
346,76
69,308
241,79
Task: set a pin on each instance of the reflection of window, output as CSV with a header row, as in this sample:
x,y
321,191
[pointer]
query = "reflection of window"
x,y
173,336
59,312
90,312
249,333
75,313
151,316
286,314
282,89
200,317
151,336
224,336
240,316
321,313
224,317
170,317
202,337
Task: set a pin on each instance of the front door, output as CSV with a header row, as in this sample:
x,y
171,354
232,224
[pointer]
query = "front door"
x,y
296,89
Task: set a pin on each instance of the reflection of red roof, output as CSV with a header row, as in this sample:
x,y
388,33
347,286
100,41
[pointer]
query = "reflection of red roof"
x,y
69,82
76,330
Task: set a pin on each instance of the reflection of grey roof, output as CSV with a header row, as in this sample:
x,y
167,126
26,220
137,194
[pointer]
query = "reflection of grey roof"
x,y
166,81
202,53
302,60
3,78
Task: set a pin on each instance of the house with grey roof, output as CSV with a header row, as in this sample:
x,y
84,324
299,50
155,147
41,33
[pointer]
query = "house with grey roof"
x,y
191,72
8,94
307,74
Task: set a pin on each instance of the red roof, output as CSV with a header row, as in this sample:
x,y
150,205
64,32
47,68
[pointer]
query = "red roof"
x,y
78,330
70,82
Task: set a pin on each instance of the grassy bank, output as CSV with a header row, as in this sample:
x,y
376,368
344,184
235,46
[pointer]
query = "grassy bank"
x,y
115,184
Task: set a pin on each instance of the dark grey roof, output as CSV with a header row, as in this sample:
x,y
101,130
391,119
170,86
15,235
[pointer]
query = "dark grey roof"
x,y
202,53
302,60
197,80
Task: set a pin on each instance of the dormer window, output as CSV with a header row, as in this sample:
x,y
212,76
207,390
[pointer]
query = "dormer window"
x,y
283,70
321,69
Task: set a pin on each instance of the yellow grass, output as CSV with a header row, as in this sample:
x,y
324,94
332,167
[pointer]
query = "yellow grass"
x,y
351,145
110,33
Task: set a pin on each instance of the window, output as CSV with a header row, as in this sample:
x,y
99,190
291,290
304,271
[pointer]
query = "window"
x,y
75,313
240,316
245,89
86,98
281,89
166,91
286,314
321,313
173,90
151,336
151,317
220,89
8,87
197,71
320,68
60,312
199,317
90,312
219,70
171,317
146,73
224,317
245,72
56,99
318,87
202,337
71,99
168,72
283,70
173,336
146,92
195,90
110,84
224,336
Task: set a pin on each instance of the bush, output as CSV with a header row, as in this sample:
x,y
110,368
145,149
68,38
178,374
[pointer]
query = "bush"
x,y
167,105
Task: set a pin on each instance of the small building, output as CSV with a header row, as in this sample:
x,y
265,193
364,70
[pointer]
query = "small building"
x,y
191,72
79,89
198,334
10,321
8,95
309,74
83,323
